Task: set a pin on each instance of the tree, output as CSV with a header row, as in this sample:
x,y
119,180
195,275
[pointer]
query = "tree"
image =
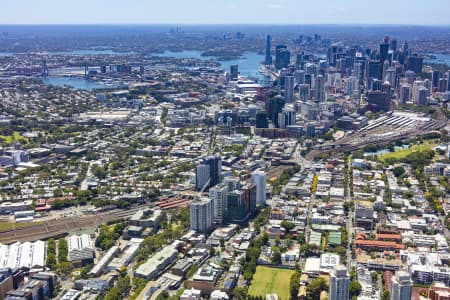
x,y
354,288
398,171
315,287
276,256
294,284
374,276
240,293
287,225
63,250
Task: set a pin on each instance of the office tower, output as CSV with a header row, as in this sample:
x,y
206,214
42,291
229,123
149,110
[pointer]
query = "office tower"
x,y
208,173
299,60
375,70
259,179
393,45
351,84
405,47
448,81
422,96
261,120
218,195
201,177
427,84
391,76
415,63
236,207
401,288
333,52
385,68
289,88
357,70
339,283
384,51
320,88
311,69
234,72
311,130
282,56
274,107
442,85
436,75
286,117
250,197
381,100
201,214
410,75
304,92
415,89
405,93
268,60
232,183
215,169
299,76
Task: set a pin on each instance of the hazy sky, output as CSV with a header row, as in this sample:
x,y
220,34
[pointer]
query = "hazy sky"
x,y
423,12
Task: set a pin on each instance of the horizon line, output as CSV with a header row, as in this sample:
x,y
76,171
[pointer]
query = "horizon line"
x,y
223,24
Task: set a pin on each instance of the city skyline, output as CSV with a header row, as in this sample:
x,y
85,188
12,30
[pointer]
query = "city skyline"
x,y
283,12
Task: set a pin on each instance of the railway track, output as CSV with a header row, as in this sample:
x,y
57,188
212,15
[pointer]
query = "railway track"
x,y
59,227
357,146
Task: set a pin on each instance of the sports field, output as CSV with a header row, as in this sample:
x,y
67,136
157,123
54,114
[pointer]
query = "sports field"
x,y
399,154
271,280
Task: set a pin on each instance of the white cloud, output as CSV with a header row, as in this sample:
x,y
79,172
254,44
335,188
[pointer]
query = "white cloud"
x,y
274,6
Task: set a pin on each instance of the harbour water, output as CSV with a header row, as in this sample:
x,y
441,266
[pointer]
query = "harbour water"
x,y
76,83
443,59
248,66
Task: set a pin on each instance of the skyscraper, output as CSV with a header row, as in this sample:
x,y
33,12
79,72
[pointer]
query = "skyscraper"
x,y
405,93
282,56
201,214
384,50
375,70
289,88
415,63
304,92
201,176
274,107
286,117
422,96
234,73
401,288
215,169
261,120
268,60
236,207
218,195
448,81
259,178
320,88
208,173
339,283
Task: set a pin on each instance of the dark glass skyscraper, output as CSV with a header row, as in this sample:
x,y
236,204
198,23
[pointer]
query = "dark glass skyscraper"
x,y
268,60
215,168
282,56
208,173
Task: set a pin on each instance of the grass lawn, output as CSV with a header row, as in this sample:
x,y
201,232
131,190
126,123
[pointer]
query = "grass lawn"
x,y
11,138
271,280
405,152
